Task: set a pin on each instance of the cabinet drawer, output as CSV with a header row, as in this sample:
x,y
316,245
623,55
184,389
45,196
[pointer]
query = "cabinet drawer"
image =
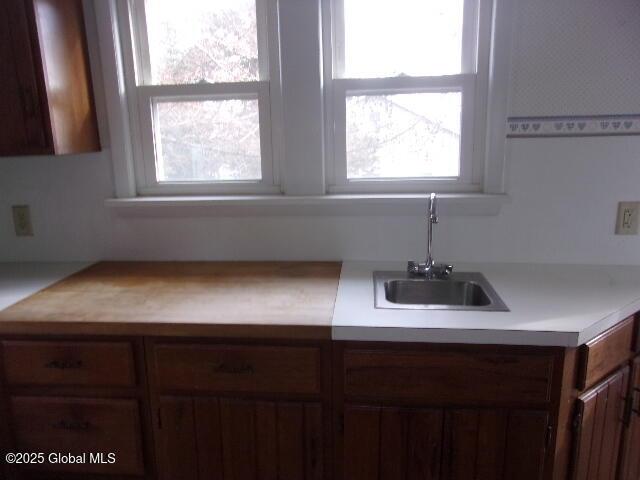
x,y
605,353
69,363
439,376
232,368
80,426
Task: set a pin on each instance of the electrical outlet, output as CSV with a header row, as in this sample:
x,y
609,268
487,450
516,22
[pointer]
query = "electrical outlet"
x,y
627,223
22,220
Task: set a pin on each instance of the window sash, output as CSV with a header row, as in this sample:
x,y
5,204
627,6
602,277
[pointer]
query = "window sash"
x,y
334,12
465,84
138,18
338,88
143,97
148,97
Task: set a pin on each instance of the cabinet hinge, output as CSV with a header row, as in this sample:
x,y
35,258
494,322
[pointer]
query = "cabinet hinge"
x,y
577,421
628,409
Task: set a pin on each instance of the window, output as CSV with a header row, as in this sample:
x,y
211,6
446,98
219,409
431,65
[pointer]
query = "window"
x,y
306,98
405,84
199,79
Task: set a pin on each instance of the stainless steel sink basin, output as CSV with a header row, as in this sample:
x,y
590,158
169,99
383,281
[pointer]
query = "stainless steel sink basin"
x,y
461,291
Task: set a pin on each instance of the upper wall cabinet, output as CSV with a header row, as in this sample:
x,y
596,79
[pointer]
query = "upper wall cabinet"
x,y
46,97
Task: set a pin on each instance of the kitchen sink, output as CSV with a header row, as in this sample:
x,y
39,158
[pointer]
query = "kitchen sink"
x,y
459,291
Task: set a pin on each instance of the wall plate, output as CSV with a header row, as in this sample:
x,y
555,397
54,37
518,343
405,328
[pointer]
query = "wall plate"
x,y
627,220
22,220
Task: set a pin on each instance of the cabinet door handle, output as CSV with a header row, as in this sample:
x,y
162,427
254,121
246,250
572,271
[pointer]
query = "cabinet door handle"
x,y
64,364
76,425
237,369
28,102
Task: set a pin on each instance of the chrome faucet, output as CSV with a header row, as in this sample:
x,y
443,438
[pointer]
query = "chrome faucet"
x,y
429,269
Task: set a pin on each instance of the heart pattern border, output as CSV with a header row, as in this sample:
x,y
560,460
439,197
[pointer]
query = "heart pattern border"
x,y
573,126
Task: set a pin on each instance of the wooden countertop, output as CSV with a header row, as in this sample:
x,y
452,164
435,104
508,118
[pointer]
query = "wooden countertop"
x,y
214,299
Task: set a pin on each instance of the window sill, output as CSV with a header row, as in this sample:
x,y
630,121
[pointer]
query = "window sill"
x,y
330,205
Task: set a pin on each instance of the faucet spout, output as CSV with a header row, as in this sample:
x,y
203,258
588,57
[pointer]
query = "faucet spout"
x,y
433,208
429,268
432,218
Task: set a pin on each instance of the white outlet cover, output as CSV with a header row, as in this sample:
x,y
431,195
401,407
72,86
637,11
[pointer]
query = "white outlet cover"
x,y
627,220
22,220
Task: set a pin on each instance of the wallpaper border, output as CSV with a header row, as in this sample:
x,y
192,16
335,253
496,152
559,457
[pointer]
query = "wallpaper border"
x,y
573,126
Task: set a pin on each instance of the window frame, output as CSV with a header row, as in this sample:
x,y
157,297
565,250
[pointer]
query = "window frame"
x,y
143,97
302,145
472,82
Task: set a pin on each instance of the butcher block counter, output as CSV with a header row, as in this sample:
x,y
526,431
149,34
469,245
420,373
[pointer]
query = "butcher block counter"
x,y
222,299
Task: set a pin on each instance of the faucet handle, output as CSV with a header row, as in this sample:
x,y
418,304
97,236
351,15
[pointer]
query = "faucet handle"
x,y
413,268
434,271
446,270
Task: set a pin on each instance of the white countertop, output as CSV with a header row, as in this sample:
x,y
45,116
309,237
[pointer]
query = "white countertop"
x,y
561,305
20,280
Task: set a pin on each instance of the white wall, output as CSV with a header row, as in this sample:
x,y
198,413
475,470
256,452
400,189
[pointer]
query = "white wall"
x,y
577,57
563,191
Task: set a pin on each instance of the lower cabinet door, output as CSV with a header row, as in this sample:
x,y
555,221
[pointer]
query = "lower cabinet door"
x,y
239,439
631,441
599,428
485,444
388,443
79,435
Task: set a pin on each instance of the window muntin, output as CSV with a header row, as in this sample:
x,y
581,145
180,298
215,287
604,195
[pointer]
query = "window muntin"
x,y
203,96
407,62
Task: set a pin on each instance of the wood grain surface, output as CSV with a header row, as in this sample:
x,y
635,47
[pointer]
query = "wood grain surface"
x,y
605,353
221,299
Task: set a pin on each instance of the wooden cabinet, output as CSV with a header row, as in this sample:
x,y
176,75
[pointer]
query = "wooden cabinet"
x,y
98,364
606,352
492,444
266,409
442,412
606,430
20,96
238,411
72,396
599,424
475,375
630,460
205,437
389,443
78,426
46,97
238,368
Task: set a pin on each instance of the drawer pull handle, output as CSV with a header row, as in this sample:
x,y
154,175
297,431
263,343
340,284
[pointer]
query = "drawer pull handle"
x,y
241,369
81,425
64,364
